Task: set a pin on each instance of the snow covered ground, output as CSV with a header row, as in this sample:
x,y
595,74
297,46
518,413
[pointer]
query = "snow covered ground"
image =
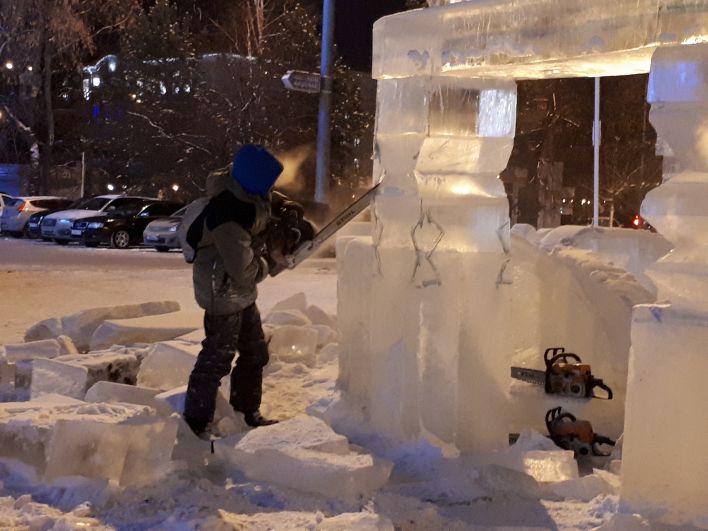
x,y
533,486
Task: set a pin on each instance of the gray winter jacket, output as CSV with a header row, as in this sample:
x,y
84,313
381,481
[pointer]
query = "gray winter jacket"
x,y
226,269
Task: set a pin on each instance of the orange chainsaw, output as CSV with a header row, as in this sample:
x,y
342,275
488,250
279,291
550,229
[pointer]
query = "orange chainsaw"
x,y
572,434
565,375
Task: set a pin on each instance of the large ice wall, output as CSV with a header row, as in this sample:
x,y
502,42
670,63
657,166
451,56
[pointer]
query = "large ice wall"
x,y
665,467
534,39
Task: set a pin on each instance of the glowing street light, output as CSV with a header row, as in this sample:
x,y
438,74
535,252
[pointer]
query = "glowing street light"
x,y
175,187
9,65
110,187
96,81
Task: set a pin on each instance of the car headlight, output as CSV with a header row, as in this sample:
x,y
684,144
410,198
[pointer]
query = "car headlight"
x,y
172,229
95,225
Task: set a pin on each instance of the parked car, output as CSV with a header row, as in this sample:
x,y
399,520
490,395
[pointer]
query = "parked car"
x,y
17,211
3,199
122,227
58,226
162,233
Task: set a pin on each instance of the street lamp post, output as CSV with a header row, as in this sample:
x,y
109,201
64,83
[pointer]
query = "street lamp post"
x,y
324,143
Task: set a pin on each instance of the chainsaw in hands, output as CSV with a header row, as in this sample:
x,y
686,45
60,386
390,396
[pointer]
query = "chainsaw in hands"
x,y
565,375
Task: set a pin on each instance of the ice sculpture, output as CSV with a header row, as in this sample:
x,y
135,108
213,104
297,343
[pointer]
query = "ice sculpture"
x,y
665,467
424,303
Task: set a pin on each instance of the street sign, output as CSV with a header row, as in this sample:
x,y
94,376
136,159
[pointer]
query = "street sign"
x,y
302,81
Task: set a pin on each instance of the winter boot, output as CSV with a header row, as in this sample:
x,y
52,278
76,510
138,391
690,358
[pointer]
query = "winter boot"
x,y
255,419
198,427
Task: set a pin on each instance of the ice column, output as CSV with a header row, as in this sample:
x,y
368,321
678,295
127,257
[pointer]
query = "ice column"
x,y
665,466
441,238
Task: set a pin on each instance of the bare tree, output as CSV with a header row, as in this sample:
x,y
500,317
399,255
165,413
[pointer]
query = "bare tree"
x,y
40,40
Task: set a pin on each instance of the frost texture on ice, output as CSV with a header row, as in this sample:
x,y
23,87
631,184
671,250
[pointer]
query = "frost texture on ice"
x,y
147,329
110,392
168,364
73,375
47,348
534,38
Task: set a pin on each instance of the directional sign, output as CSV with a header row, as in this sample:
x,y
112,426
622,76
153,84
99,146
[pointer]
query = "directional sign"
x,y
302,81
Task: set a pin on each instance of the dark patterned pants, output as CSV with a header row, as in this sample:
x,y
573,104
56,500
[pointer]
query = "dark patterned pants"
x,y
225,334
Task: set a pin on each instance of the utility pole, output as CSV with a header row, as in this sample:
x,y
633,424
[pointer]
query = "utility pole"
x,y
596,139
324,143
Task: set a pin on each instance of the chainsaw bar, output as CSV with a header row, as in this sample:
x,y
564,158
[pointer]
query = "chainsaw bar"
x,y
533,376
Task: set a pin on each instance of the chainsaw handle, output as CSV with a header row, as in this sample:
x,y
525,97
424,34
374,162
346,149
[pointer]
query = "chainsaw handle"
x,y
601,439
554,354
597,382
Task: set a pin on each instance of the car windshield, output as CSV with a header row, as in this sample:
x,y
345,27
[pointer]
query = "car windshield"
x,y
125,206
91,203
51,203
14,201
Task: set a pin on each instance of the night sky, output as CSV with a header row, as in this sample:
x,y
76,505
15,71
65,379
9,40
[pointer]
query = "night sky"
x,y
354,20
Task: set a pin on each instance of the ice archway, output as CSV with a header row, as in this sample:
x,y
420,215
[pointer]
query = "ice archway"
x,y
425,339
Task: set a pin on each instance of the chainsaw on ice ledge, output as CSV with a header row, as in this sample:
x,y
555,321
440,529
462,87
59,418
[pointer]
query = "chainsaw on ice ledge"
x,y
570,433
279,261
565,375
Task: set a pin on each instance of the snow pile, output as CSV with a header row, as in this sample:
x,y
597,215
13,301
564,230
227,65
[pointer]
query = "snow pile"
x,y
304,453
627,249
23,513
297,333
292,521
81,326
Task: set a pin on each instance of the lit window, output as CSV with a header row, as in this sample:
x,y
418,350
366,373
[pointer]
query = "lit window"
x,y
96,81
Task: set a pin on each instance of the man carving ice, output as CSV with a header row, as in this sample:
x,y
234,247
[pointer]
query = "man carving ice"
x,y
226,272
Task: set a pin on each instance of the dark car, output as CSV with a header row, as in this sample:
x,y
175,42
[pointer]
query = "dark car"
x,y
33,226
122,228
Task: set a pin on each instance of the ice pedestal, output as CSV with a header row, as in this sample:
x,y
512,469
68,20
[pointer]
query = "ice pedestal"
x,y
665,468
664,465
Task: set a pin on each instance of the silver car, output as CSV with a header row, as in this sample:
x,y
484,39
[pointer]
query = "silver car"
x,y
4,198
18,210
162,233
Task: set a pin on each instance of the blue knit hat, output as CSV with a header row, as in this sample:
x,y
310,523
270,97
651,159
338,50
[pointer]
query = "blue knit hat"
x,y
255,169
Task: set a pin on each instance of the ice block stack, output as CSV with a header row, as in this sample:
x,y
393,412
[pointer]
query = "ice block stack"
x,y
434,271
665,466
